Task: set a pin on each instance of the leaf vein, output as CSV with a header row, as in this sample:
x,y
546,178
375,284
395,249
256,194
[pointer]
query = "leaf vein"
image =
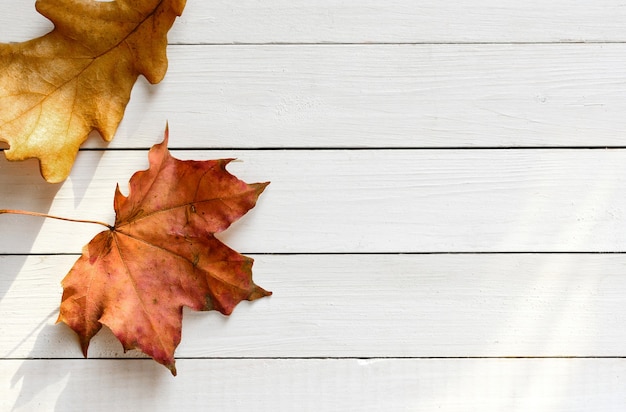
x,y
176,255
136,290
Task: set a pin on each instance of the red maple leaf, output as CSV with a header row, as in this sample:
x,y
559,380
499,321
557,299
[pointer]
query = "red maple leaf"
x,y
161,255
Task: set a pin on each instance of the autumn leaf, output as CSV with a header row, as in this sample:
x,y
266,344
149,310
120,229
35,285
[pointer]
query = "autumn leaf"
x,y
161,255
56,89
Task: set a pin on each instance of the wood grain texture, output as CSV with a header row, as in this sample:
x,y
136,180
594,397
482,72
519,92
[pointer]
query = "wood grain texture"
x,y
363,306
383,96
347,201
455,385
371,21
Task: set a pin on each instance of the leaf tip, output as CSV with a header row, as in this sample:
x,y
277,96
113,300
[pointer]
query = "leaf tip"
x,y
262,186
84,347
83,339
160,150
259,293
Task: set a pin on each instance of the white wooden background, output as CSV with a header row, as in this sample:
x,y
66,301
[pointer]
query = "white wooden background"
x,y
447,178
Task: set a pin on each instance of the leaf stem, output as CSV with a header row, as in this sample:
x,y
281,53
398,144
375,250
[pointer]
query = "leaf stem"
x,y
28,213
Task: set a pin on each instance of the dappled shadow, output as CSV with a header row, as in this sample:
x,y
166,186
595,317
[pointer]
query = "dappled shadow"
x,y
68,374
83,172
66,379
21,187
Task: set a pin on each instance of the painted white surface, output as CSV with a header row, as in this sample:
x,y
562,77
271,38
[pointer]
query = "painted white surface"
x,y
460,385
364,306
363,201
371,21
384,96
349,328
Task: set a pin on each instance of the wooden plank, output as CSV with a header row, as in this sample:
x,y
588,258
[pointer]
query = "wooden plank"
x,y
455,385
346,201
383,96
363,306
371,21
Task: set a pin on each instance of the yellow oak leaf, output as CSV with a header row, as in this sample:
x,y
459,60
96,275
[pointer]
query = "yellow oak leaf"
x,y
56,89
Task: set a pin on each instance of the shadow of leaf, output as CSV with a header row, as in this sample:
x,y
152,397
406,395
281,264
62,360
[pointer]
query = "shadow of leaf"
x,y
21,187
66,379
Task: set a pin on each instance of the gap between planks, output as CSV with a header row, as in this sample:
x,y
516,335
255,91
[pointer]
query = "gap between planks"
x,y
252,254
